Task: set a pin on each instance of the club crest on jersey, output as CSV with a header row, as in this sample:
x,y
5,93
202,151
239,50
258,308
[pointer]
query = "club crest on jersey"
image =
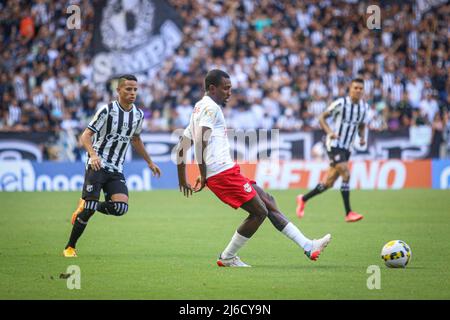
x,y
89,188
247,187
125,125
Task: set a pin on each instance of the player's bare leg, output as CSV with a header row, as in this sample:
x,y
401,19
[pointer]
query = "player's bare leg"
x,y
257,214
275,216
332,176
312,248
344,172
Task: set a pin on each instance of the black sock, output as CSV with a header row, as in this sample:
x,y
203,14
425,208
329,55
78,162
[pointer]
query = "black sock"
x,y
314,192
105,207
345,191
79,226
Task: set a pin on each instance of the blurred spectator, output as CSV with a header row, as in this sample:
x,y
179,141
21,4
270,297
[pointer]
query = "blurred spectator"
x,y
414,88
429,106
405,109
184,110
157,122
437,136
288,121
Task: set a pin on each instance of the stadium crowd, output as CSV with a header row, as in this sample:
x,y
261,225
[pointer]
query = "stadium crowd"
x,y
287,60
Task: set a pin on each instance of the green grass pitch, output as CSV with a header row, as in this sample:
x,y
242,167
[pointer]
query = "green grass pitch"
x,y
166,247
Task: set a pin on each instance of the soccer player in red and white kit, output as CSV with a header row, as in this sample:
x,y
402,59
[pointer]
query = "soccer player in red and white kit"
x,y
207,130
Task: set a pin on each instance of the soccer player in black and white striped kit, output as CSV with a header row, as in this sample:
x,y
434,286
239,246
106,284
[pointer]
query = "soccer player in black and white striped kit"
x,y
106,141
349,116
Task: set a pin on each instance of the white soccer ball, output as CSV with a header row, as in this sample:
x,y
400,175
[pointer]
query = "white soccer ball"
x,y
396,254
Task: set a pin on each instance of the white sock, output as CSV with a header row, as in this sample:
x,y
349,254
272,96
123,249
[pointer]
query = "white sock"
x,y
237,242
293,233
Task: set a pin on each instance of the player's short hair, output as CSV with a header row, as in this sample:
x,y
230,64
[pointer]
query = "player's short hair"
x,y
359,80
214,76
125,77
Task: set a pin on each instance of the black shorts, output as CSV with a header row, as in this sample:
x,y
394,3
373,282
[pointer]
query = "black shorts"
x,y
338,155
110,182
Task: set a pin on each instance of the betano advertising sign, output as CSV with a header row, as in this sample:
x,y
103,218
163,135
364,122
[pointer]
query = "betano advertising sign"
x,y
383,174
25,175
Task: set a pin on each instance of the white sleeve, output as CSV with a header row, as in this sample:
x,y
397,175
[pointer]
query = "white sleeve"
x,y
207,117
336,106
187,132
139,126
99,119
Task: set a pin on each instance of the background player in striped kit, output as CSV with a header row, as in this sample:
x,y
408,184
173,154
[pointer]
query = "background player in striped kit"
x,y
349,115
106,140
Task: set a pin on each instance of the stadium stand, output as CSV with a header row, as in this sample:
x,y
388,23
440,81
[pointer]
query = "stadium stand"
x,y
287,60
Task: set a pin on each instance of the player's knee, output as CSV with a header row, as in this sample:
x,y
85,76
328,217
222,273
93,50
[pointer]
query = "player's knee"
x,y
119,208
328,184
346,176
262,212
270,198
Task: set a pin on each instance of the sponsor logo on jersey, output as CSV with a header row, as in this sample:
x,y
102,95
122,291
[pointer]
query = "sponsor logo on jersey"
x,y
247,187
117,137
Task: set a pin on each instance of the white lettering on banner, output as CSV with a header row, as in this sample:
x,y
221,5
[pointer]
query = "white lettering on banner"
x,y
21,176
19,146
138,183
399,171
287,140
76,182
146,57
315,170
363,174
445,175
375,175
288,175
59,182
267,174
43,183
16,176
363,177
408,150
281,175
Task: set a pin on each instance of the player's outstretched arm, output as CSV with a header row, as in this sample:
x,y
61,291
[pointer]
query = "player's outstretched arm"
x,y
181,149
86,142
138,145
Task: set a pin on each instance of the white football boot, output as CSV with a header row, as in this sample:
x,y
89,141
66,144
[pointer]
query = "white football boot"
x,y
231,262
318,245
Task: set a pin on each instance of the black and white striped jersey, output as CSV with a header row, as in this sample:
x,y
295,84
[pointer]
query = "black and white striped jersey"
x,y
114,129
346,118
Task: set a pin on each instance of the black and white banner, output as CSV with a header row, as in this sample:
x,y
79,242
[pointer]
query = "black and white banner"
x,y
247,146
133,36
24,146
